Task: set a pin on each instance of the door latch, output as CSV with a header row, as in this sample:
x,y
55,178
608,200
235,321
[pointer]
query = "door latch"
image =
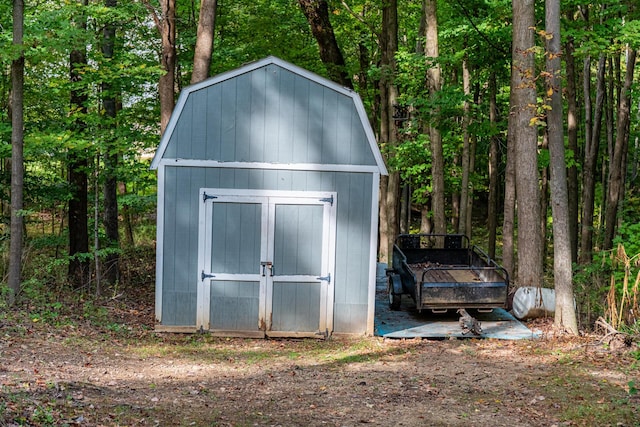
x,y
267,265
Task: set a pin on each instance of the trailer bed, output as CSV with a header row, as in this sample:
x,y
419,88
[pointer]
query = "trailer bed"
x,y
447,275
450,277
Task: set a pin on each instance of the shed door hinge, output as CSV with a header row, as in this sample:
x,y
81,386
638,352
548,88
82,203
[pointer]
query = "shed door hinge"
x,y
326,278
206,197
204,275
328,200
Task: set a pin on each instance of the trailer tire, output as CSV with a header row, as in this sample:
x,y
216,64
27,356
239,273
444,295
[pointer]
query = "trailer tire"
x,y
394,298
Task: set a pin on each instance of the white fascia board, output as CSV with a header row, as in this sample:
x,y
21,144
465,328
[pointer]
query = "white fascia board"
x,y
274,166
166,136
357,101
373,144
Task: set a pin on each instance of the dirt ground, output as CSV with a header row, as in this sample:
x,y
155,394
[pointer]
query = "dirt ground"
x,y
125,374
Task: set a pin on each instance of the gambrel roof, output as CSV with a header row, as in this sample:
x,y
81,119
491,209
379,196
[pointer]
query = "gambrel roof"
x,y
270,112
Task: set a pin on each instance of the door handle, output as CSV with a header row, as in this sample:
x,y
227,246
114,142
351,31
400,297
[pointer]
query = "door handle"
x,y
267,265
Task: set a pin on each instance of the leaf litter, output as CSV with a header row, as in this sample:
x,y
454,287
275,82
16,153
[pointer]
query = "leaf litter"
x,y
81,374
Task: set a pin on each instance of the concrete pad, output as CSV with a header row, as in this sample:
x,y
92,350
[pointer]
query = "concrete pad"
x,y
408,323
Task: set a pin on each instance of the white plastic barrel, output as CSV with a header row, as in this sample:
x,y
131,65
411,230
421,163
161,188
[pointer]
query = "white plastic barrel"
x,y
530,302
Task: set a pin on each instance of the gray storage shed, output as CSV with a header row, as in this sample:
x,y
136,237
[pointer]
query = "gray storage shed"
x,y
267,207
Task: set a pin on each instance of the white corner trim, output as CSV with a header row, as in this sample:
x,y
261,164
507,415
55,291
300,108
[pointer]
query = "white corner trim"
x,y
159,242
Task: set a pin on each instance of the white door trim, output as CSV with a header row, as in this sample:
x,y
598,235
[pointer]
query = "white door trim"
x,y
268,199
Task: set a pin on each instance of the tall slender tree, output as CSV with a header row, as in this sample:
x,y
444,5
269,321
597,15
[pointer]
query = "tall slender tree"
x,y
565,315
492,213
17,156
390,185
572,141
77,165
617,168
109,105
204,40
593,127
466,193
434,85
523,125
165,22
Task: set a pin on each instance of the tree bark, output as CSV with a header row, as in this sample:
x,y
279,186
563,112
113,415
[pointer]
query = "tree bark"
x,y
465,188
509,216
593,128
565,315
77,166
572,140
617,168
204,41
166,26
17,157
388,131
492,213
437,155
112,267
317,14
523,115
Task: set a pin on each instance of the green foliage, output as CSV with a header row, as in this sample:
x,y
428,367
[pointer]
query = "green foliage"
x,y
248,30
610,285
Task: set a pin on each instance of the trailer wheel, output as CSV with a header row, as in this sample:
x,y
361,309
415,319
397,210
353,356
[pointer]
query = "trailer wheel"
x,y
394,299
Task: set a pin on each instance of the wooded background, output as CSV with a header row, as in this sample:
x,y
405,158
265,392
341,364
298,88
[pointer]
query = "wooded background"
x,y
515,123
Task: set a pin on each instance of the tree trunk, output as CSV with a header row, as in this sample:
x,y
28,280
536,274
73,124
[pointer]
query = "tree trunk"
x,y
111,267
572,138
166,26
317,14
492,212
611,106
17,157
544,194
617,168
473,144
523,114
437,155
509,216
565,315
77,166
126,217
389,98
384,236
405,209
425,222
204,41
592,137
466,155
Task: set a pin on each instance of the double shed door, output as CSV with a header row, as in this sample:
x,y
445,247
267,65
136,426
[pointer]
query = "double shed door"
x,y
266,262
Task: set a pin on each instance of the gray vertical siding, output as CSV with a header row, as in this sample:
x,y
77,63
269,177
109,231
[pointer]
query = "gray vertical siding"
x,y
270,115
182,185
236,239
234,306
298,240
296,306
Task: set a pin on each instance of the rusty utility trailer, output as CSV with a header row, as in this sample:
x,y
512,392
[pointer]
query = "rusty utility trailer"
x,y
444,272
